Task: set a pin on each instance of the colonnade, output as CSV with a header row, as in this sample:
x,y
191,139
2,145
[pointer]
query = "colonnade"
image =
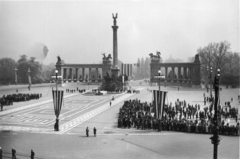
x,y
71,74
176,73
183,73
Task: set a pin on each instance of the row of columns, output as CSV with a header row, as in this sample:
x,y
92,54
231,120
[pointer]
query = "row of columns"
x,y
69,72
186,75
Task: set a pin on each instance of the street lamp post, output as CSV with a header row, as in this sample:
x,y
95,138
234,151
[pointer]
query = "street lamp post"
x,y
210,77
56,74
207,78
215,138
15,75
123,82
159,74
56,126
29,78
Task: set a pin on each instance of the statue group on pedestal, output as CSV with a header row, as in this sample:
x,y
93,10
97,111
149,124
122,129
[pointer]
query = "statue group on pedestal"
x,y
157,56
106,57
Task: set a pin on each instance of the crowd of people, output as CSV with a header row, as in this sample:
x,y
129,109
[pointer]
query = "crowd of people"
x,y
73,90
9,99
179,117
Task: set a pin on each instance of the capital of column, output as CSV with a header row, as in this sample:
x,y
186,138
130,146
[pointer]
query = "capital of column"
x,y
115,27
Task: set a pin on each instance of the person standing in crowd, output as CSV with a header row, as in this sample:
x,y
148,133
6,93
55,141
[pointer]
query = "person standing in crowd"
x,y
14,153
0,153
110,104
87,132
95,131
32,154
1,106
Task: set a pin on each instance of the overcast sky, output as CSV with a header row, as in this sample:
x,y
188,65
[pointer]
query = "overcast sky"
x,y
80,31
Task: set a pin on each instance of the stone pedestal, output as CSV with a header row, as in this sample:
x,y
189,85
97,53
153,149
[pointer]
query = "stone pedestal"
x,y
106,67
115,72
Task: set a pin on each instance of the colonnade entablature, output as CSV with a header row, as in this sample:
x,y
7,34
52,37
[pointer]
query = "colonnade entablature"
x,y
177,73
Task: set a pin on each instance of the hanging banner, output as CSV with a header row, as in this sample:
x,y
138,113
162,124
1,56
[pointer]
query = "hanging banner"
x,y
158,100
57,101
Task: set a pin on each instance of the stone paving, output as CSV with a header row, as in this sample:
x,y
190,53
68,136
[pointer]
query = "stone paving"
x,y
38,117
115,143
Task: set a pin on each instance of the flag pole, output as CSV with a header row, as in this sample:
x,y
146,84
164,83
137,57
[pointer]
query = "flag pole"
x,y
159,74
56,73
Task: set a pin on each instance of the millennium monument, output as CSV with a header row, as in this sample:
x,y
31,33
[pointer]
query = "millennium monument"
x,y
106,72
113,83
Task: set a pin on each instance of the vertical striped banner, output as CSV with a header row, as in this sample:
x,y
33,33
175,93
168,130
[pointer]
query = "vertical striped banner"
x,y
126,69
158,99
57,101
130,70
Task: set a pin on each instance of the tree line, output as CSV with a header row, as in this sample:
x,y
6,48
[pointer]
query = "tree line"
x,y
220,56
38,72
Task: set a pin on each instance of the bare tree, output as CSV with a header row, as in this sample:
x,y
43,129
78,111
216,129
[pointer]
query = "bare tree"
x,y
214,55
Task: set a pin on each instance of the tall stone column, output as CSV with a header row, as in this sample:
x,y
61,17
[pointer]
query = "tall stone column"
x,y
115,68
97,75
190,75
185,73
166,72
64,74
72,74
77,80
69,74
83,71
173,72
90,75
179,73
